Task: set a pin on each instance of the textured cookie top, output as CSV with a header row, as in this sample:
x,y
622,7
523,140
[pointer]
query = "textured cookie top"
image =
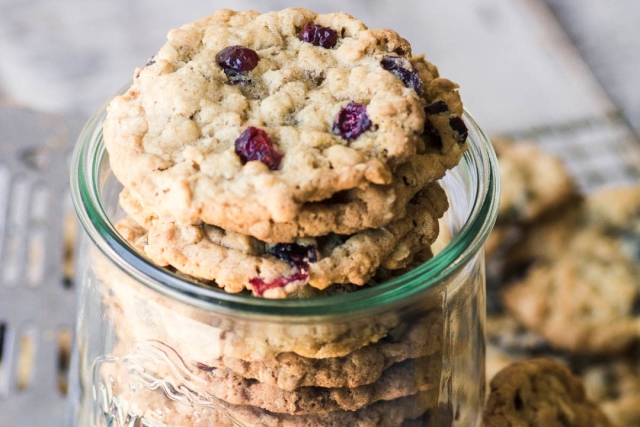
x,y
586,301
244,117
540,393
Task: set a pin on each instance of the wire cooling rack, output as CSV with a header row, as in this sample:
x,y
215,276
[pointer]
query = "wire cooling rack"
x,y
37,237
38,232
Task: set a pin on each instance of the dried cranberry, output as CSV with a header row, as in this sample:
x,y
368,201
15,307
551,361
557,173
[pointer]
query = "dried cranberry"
x,y
204,367
295,254
352,121
237,58
436,108
403,69
318,35
260,285
460,131
254,144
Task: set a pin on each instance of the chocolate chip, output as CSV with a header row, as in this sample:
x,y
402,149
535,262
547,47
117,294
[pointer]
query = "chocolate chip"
x,y
460,131
436,108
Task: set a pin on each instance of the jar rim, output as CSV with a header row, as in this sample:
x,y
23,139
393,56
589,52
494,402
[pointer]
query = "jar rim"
x,y
88,159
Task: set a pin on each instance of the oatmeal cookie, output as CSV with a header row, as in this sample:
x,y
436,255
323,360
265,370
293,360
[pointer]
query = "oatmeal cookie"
x,y
532,181
613,381
587,298
288,371
347,212
142,314
243,118
547,239
237,262
540,393
402,379
155,406
586,301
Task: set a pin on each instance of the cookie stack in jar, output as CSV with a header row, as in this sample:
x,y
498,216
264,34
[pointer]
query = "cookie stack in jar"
x,y
281,155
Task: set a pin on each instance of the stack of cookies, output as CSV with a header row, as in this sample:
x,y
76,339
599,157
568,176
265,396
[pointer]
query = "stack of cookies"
x,y
568,284
268,152
283,155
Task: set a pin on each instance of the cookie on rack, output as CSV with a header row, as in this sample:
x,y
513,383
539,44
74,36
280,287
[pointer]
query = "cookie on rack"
x,y
586,299
540,393
533,183
242,118
237,262
613,382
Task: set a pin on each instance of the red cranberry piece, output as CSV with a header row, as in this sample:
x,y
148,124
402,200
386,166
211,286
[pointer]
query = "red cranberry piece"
x,y
318,35
260,285
254,144
352,121
295,254
460,131
403,69
237,58
436,108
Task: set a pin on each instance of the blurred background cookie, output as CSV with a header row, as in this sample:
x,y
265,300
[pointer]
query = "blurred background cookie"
x,y
540,393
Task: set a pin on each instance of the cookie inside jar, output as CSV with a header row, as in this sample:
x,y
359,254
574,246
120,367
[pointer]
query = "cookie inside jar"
x,y
286,229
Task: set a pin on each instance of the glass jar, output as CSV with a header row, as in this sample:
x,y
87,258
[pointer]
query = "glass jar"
x,y
154,348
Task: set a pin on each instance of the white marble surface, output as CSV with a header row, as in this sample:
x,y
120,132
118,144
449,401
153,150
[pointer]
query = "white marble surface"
x,y
516,68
